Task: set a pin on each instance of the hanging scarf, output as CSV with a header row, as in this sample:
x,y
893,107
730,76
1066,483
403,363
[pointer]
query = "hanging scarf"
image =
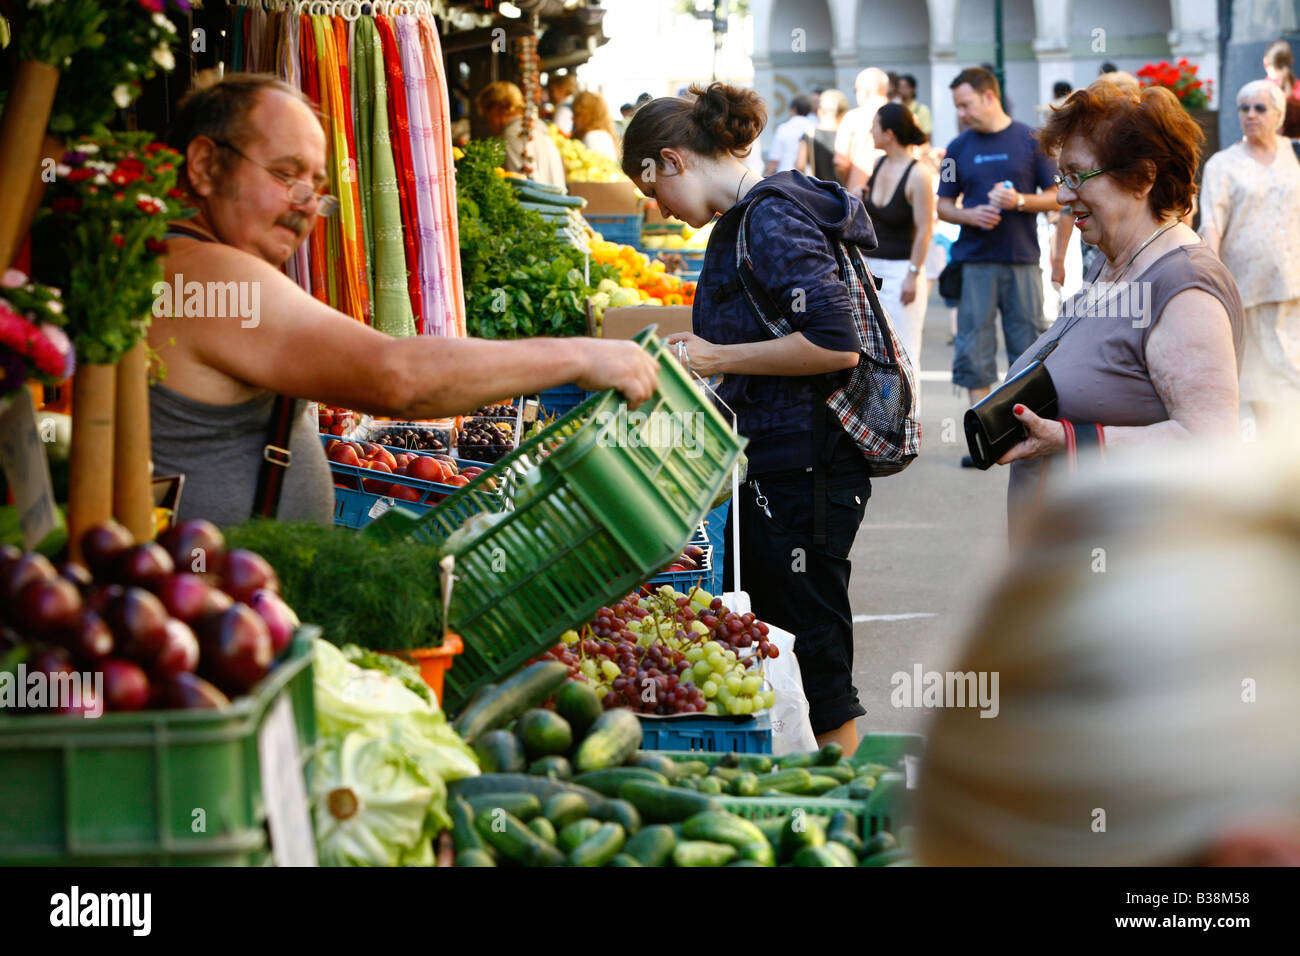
x,y
399,134
298,268
378,180
254,27
444,169
359,263
360,78
319,257
433,281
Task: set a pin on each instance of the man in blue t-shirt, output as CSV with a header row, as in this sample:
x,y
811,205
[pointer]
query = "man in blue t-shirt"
x,y
998,246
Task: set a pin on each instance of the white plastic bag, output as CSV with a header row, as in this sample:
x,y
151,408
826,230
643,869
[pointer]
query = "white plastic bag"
x,y
791,726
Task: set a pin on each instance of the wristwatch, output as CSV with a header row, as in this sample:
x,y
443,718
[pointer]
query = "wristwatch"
x,y
915,270
1020,202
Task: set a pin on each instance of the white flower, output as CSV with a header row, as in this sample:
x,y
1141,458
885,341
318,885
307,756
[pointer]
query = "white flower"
x,y
162,55
62,171
100,180
55,306
99,165
39,3
164,23
122,96
91,148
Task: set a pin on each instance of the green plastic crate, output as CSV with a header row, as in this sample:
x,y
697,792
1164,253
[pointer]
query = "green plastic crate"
x,y
596,519
120,789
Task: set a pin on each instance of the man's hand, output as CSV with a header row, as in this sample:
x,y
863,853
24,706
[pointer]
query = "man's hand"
x,y
1058,272
1004,197
1046,437
908,292
702,357
621,365
984,217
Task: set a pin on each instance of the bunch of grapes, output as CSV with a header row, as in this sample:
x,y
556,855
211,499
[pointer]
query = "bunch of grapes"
x,y
671,653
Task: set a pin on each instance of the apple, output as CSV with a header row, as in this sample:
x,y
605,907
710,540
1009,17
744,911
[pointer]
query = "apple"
x,y
404,492
195,545
449,464
425,468
247,571
89,707
30,567
101,544
100,596
402,459
179,653
280,619
343,454
187,691
89,637
138,621
460,481
329,445
47,606
78,575
143,565
185,595
126,687
383,455
236,648
375,487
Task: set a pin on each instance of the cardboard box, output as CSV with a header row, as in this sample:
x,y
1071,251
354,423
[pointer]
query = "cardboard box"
x,y
626,321
656,221
608,199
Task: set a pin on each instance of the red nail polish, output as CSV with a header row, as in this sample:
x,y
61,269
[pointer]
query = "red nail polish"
x,y
1019,409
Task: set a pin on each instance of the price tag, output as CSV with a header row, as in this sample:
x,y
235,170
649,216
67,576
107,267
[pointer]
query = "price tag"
x,y
27,469
284,794
380,507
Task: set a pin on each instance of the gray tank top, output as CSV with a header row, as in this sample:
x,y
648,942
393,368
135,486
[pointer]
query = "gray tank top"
x,y
219,450
1099,366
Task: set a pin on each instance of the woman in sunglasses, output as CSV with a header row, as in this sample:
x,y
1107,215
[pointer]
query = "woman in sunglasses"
x,y
1250,216
1146,352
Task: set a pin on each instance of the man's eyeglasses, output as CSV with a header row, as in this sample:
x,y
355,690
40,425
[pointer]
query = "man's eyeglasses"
x,y
1257,107
1075,180
299,191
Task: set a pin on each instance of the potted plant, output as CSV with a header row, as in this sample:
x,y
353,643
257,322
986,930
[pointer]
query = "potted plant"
x,y
1193,93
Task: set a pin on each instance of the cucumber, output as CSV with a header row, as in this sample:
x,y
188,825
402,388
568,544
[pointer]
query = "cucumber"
x,y
710,785
884,859
692,768
599,848
746,785
840,852
622,813
728,759
543,733
797,780
861,787
608,782
579,704
818,856
557,768
499,751
745,863
525,806
800,831
725,774
514,841
756,763
565,808
544,829
573,836
830,754
540,787
771,828
622,859
840,772
879,843
656,762
474,857
843,820
819,784
463,835
496,708
805,759
658,804
652,846
839,793
847,839
610,741
703,853
759,853
722,827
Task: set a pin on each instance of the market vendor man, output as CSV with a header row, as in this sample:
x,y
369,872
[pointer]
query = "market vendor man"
x,y
255,169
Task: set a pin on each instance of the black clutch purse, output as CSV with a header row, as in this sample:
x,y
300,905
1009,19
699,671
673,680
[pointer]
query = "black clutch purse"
x,y
991,428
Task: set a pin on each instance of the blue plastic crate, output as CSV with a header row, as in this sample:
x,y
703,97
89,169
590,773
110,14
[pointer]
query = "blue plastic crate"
x,y
685,580
562,399
748,735
625,230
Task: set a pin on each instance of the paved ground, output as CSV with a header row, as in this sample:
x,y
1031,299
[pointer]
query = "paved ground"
x,y
933,538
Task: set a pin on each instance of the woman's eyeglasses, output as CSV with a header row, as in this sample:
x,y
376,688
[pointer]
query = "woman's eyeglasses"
x,y
1075,180
299,191
1257,107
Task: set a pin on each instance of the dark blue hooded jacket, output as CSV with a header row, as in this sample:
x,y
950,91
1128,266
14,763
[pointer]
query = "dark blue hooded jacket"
x,y
794,263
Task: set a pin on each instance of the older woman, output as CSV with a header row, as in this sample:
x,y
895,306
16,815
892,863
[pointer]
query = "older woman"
x,y
592,125
1250,216
502,105
1147,350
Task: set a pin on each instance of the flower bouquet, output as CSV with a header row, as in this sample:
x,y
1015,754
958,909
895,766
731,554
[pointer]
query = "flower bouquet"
x,y
1180,79
102,242
33,345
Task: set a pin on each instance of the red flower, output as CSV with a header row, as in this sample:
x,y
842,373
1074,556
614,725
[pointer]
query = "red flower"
x,y
157,246
120,177
131,164
165,167
118,197
80,175
175,193
66,204
118,241
1183,62
154,147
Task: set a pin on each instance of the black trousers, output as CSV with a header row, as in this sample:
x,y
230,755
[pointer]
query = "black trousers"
x,y
802,588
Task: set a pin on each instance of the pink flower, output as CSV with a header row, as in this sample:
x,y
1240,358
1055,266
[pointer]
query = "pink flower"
x,y
26,339
63,346
12,279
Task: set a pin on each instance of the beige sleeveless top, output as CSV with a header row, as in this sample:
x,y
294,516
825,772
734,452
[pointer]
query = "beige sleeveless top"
x,y
1099,367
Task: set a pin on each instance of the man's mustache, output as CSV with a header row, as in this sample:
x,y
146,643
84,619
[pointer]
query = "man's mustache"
x,y
295,221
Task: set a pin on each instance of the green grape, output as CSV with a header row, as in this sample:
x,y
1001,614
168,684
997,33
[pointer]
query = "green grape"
x,y
769,698
717,662
588,667
699,627
609,669
712,647
734,683
569,637
695,655
735,705
712,708
751,685
710,688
